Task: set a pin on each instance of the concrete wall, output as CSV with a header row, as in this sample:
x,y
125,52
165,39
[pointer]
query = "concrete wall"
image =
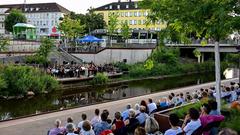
x,y
116,55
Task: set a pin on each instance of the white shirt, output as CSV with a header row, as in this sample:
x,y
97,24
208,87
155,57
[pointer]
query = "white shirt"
x,y
90,132
151,107
173,131
95,120
71,134
80,126
192,126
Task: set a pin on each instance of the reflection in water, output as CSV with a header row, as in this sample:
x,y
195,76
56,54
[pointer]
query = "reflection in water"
x,y
82,97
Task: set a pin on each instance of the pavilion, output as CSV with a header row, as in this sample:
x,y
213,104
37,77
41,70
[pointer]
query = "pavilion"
x,y
24,31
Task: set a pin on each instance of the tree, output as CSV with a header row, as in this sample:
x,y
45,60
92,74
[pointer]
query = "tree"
x,y
112,25
13,18
71,28
125,31
91,20
214,19
4,42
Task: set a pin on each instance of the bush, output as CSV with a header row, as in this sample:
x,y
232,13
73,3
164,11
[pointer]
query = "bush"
x,y
21,79
181,112
232,121
100,79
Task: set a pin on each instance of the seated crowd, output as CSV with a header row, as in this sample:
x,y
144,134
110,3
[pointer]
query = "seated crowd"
x,y
139,120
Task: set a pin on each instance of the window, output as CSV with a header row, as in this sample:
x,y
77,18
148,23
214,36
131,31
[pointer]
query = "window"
x,y
135,22
52,22
135,14
122,14
110,6
106,7
118,6
143,22
139,14
37,9
126,14
127,6
130,22
131,14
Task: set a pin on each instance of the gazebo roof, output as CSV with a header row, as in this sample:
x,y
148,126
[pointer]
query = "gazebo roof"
x,y
24,25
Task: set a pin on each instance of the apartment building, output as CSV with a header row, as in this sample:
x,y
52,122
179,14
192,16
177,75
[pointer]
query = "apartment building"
x,y
130,12
45,16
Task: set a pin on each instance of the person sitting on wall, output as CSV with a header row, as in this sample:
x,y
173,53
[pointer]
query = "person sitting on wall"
x,y
194,124
174,122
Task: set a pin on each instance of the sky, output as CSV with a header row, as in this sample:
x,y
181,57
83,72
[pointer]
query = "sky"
x,y
78,6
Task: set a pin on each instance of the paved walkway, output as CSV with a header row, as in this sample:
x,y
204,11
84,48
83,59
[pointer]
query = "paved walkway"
x,y
39,125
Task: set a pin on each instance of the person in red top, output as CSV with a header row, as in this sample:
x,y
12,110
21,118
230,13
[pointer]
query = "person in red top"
x,y
118,124
206,119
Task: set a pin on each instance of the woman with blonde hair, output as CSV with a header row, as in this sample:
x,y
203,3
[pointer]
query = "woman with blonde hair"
x,y
152,127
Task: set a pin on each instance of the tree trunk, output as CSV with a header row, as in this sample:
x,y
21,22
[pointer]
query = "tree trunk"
x,y
218,75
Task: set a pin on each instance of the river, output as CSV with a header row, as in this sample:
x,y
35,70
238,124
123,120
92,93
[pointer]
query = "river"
x,y
76,97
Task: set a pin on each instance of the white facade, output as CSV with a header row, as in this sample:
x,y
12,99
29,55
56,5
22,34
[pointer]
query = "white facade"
x,y
45,22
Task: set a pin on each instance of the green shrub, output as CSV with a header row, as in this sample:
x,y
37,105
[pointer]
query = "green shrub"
x,y
181,112
21,79
232,121
100,78
122,66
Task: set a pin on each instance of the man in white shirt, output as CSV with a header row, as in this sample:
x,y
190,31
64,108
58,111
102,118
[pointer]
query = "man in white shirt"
x,y
96,118
84,118
194,123
151,106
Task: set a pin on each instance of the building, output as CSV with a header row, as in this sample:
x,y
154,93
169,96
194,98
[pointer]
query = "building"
x,y
45,16
131,12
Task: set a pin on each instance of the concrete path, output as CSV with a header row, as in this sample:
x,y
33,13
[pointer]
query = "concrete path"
x,y
39,125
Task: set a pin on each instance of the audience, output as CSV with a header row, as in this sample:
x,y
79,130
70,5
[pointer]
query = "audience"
x,y
58,129
84,118
125,114
87,128
152,127
174,122
131,121
118,124
103,125
194,123
139,131
151,106
96,118
70,129
142,116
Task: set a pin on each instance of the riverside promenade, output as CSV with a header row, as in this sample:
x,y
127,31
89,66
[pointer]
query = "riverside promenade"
x,y
39,125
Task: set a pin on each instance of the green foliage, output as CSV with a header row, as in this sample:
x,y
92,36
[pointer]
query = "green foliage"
x,y
21,79
43,52
3,84
165,55
15,16
232,121
71,28
113,23
233,59
208,18
91,20
125,30
4,42
122,66
100,79
181,112
148,64
197,53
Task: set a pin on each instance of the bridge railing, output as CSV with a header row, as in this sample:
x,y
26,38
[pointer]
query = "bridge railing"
x,y
208,42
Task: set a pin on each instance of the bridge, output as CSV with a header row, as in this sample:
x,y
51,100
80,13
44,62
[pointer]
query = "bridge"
x,y
231,48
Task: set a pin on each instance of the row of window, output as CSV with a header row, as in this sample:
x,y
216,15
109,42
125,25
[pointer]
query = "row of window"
x,y
131,14
43,23
43,15
139,22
